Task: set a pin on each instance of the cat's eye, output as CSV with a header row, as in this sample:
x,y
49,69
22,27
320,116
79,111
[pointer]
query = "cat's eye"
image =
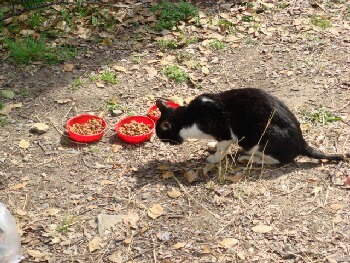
x,y
165,126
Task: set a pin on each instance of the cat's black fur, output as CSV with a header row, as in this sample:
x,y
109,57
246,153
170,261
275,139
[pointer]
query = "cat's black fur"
x,y
245,112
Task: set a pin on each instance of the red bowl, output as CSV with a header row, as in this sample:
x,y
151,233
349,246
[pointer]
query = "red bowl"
x,y
138,138
82,119
155,107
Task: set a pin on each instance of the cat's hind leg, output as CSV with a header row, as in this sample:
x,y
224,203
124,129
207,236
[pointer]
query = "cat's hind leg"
x,y
221,151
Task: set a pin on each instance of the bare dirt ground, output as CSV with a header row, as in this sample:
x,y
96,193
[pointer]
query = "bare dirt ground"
x,y
61,191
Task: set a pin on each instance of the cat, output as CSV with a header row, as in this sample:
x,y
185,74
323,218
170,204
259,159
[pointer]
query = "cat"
x,y
262,125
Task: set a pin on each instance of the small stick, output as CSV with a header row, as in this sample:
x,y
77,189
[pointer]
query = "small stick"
x,y
194,200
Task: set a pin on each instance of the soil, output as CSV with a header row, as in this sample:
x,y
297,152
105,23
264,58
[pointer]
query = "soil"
x,y
56,188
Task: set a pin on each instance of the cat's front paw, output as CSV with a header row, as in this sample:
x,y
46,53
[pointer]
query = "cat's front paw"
x,y
212,159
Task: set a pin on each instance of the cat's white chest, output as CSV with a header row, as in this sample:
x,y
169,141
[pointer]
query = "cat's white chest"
x,y
194,132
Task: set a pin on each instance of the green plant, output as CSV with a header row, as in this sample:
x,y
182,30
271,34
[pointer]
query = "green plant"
x,y
170,13
65,224
167,44
283,5
113,104
27,50
94,149
248,41
320,116
216,44
175,73
248,18
31,3
109,76
320,22
250,5
3,121
183,56
1,105
35,20
77,83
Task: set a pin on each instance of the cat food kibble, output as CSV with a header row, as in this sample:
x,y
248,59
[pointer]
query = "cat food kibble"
x,y
90,127
135,128
155,113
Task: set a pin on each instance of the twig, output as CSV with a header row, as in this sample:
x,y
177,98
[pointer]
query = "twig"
x,y
139,255
193,199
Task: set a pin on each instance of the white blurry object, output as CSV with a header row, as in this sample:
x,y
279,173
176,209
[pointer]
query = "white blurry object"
x,y
10,245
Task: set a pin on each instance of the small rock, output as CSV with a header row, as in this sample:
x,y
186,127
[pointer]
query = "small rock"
x,y
116,113
39,128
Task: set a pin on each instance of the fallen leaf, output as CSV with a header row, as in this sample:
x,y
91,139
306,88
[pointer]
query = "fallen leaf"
x,y
24,144
262,229
21,212
95,244
241,255
68,67
205,70
116,257
228,243
19,186
177,100
116,147
190,176
152,72
336,206
107,182
35,253
39,128
119,68
337,219
155,211
236,178
167,175
51,212
347,182
179,245
205,249
131,219
8,94
163,167
174,194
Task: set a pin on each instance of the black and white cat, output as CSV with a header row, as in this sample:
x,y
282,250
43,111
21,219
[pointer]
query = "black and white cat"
x,y
260,123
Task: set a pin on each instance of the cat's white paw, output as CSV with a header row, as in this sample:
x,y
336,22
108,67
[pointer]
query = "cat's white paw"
x,y
212,146
212,159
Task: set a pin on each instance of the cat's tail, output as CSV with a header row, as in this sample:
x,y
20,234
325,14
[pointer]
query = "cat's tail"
x,y
317,154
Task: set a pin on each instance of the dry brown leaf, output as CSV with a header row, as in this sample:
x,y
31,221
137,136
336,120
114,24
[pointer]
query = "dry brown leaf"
x,y
95,244
152,72
236,178
119,68
131,219
163,167
228,243
51,211
107,182
336,206
174,194
24,144
19,186
68,67
179,245
35,253
155,211
177,100
205,70
167,175
21,212
205,249
116,147
262,229
347,182
190,176
116,257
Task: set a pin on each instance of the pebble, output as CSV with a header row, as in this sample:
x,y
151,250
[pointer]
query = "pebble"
x,y
116,113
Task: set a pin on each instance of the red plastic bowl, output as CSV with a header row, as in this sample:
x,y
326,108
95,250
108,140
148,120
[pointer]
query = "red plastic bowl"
x,y
138,138
82,119
154,107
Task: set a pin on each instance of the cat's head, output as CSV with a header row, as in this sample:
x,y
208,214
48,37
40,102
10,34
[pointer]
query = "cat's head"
x,y
170,123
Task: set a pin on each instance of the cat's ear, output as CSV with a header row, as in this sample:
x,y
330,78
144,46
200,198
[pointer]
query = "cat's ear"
x,y
162,106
